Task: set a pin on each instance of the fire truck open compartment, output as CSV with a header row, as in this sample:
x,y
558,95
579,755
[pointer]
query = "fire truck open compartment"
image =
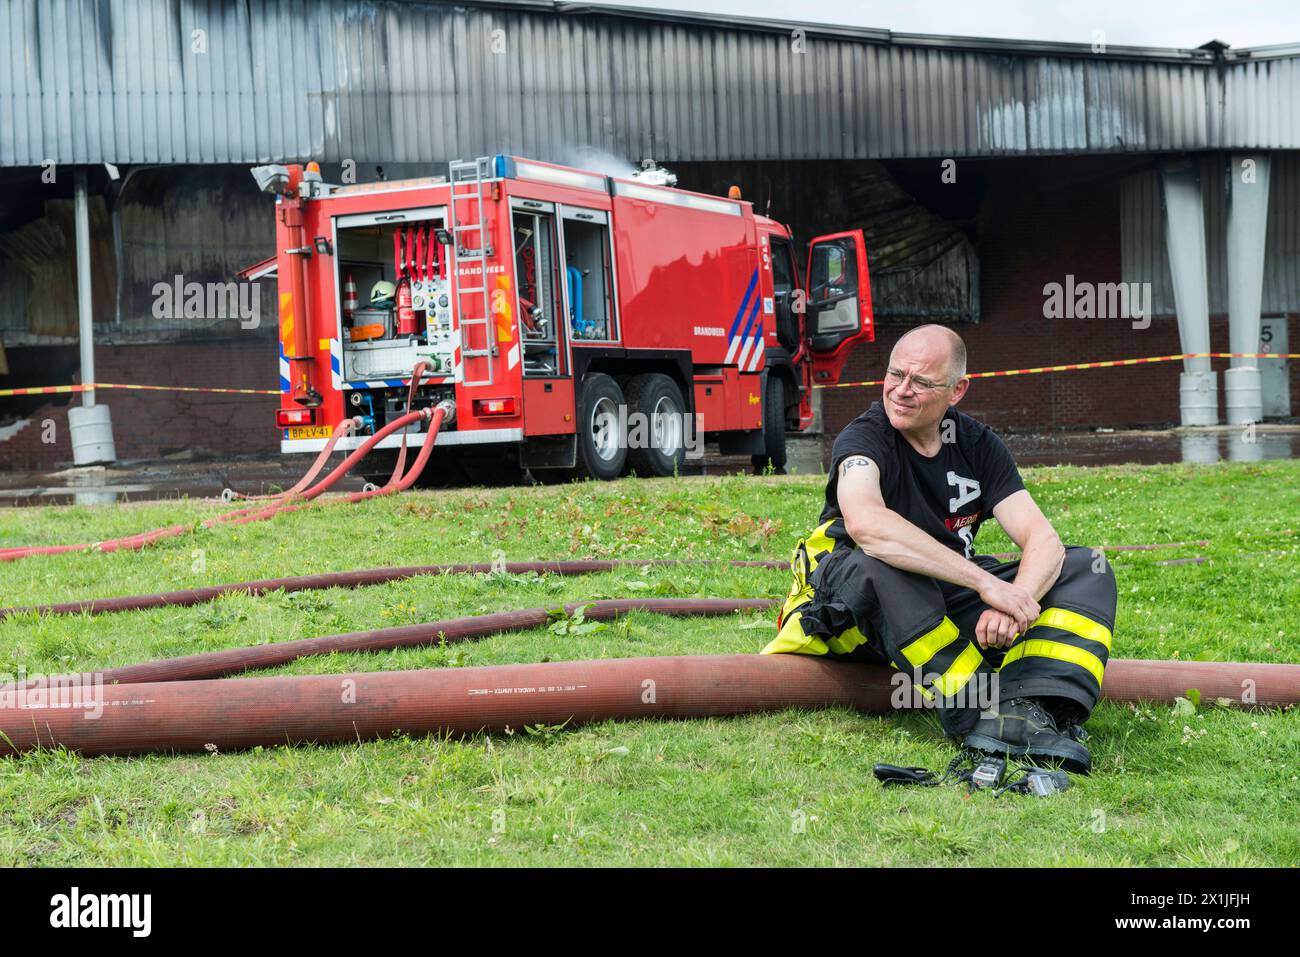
x,y
400,247
587,268
561,273
538,275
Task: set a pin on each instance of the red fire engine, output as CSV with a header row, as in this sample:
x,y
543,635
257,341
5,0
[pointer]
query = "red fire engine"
x,y
554,306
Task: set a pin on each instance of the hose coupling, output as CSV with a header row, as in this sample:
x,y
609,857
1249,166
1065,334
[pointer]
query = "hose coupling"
x,y
448,407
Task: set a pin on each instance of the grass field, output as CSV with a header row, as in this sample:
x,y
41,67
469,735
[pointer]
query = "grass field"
x,y
1212,787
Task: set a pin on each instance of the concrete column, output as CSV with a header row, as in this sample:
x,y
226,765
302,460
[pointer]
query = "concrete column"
x,y
85,324
1185,239
90,427
1247,225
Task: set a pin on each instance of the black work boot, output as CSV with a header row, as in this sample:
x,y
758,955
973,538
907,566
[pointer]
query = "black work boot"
x,y
1023,727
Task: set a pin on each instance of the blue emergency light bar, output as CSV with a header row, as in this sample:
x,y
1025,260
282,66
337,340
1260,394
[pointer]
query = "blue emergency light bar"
x,y
514,167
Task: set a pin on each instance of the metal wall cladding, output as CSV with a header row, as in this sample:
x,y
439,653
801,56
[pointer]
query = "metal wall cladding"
x,y
1145,258
196,224
204,81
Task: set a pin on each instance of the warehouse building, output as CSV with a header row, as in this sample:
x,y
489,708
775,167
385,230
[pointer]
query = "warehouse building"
x,y
1057,203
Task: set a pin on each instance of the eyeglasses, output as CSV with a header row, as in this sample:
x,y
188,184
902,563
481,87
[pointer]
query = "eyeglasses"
x,y
919,383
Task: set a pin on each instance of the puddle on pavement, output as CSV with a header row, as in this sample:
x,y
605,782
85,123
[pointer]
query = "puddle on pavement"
x,y
152,481
1154,448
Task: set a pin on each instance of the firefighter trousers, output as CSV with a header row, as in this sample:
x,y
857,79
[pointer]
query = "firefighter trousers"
x,y
848,606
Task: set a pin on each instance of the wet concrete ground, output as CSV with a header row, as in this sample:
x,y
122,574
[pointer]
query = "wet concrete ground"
x,y
1151,447
199,478
1142,447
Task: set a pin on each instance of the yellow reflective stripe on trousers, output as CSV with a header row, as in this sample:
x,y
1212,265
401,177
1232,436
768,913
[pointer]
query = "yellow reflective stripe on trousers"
x,y
1042,648
846,641
931,643
960,672
792,640
1074,623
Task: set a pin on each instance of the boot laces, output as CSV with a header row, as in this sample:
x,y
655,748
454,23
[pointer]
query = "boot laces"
x,y
1036,712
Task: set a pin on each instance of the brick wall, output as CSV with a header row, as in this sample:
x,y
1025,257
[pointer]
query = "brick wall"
x,y
149,425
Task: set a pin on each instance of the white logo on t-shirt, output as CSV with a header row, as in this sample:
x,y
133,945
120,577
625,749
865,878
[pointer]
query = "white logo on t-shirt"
x,y
967,491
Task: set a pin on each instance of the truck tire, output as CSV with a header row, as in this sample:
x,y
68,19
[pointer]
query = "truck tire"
x,y
657,397
773,428
602,447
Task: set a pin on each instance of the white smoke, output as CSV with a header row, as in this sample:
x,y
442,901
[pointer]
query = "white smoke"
x,y
598,161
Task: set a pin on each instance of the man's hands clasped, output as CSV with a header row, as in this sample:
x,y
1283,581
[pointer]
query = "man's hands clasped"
x,y
1012,609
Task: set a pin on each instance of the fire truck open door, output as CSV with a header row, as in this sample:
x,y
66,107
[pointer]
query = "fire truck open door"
x,y
838,304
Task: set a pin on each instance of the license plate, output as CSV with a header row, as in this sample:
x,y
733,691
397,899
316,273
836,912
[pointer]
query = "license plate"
x,y
310,432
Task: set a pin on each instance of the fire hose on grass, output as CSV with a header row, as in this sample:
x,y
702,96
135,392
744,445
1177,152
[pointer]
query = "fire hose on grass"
x,y
300,493
379,576
172,706
343,428
362,578
230,661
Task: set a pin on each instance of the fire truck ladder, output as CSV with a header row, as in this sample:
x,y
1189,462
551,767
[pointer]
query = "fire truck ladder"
x,y
466,179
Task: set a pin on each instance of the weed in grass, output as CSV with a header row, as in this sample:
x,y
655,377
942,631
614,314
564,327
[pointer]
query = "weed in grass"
x,y
564,625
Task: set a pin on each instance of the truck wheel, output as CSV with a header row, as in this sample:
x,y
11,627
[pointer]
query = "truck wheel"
x,y
602,447
773,428
658,399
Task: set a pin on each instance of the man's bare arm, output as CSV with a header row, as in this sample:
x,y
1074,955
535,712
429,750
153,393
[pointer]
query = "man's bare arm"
x,y
884,534
1027,526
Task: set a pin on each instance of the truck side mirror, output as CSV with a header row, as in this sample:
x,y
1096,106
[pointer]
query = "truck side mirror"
x,y
838,301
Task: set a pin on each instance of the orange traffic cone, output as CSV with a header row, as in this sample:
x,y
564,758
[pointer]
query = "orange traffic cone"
x,y
349,297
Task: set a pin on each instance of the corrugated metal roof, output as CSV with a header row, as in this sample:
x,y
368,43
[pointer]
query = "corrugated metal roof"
x,y
202,81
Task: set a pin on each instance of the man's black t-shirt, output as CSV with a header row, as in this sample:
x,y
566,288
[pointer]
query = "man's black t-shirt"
x,y
947,496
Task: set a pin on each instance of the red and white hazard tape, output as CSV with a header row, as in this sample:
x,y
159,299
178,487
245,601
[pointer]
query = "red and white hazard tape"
x,y
1070,367
1095,365
51,389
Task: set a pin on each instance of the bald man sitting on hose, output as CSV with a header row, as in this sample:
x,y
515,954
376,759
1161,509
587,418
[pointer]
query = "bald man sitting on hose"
x,y
891,575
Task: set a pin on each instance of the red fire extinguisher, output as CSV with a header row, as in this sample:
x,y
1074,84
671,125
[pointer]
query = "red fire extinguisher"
x,y
405,311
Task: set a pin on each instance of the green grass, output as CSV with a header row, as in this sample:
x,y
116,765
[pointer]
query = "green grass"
x,y
1216,787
